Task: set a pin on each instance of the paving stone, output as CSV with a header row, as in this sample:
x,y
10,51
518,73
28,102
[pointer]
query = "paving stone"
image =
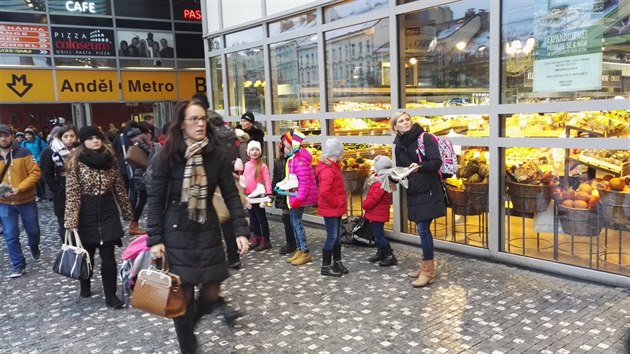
x,y
474,306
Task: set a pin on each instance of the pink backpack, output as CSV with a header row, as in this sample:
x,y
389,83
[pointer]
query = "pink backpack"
x,y
449,158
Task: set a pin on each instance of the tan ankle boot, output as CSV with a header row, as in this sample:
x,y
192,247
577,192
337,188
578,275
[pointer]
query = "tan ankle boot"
x,y
305,257
415,273
295,256
427,273
134,229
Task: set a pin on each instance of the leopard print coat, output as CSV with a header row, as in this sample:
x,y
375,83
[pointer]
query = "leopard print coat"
x,y
93,182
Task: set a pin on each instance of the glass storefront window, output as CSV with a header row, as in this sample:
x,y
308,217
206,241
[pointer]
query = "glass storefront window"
x,y
569,205
216,79
306,126
445,61
146,63
295,76
245,36
451,125
246,81
15,60
87,63
352,8
214,43
359,126
357,67
563,50
191,64
593,124
295,23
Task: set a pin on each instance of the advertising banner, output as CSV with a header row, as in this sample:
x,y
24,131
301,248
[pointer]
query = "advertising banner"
x,y
569,53
24,39
83,42
143,44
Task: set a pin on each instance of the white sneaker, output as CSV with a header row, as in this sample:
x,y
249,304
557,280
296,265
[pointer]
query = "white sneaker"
x,y
16,273
290,182
258,192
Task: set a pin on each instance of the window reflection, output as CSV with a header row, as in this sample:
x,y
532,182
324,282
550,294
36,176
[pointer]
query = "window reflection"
x,y
594,124
216,75
10,60
445,61
563,50
245,36
294,74
291,24
246,81
357,66
353,8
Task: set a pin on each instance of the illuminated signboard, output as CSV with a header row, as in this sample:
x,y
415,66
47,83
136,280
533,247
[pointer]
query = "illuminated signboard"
x,y
24,39
189,10
83,42
94,7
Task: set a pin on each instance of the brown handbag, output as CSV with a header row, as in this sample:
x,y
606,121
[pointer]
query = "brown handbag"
x,y
136,157
223,214
159,292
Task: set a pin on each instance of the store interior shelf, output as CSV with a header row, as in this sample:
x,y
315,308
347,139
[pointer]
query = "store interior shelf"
x,y
621,170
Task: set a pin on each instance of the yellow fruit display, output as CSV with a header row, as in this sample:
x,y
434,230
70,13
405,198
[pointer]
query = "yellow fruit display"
x,y
617,184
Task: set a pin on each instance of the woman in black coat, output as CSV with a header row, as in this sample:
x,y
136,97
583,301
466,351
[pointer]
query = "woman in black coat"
x,y
94,192
182,224
425,199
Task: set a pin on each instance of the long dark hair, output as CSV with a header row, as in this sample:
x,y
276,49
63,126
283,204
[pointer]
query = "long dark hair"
x,y
175,136
66,128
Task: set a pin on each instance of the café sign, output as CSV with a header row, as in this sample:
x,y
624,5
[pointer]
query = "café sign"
x,y
81,6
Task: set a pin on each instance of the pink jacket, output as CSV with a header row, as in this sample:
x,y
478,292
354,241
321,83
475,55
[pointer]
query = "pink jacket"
x,y
250,177
376,203
331,201
300,165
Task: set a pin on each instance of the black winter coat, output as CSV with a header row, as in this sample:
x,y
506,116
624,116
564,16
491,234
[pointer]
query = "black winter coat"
x,y
279,173
194,251
425,199
54,179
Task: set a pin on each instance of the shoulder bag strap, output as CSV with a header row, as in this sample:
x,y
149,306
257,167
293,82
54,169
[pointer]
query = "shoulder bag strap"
x,y
6,167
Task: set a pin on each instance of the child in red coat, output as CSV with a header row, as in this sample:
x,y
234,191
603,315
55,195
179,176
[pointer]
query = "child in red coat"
x,y
376,206
331,204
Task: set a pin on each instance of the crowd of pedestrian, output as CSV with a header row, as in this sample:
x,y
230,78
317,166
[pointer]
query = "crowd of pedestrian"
x,y
198,155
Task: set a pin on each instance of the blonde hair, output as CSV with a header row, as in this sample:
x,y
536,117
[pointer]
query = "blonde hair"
x,y
394,119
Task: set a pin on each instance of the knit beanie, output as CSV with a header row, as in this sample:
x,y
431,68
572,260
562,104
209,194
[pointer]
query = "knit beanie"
x,y
249,116
382,162
295,138
334,148
86,132
253,145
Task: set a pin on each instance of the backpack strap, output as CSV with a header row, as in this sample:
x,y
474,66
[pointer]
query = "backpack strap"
x,y
421,151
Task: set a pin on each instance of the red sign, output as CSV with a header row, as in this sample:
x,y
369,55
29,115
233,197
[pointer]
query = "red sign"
x,y
192,14
24,39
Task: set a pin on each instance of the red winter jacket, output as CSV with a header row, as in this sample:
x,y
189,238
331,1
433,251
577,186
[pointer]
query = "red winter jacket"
x,y
331,200
376,204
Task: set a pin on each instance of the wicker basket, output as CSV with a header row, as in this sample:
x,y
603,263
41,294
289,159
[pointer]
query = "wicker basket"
x,y
615,209
460,203
529,198
477,196
579,222
354,180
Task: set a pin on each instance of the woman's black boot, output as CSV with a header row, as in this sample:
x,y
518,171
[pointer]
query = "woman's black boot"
x,y
86,290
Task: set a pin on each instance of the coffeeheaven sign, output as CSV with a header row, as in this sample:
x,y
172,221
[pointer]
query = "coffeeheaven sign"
x,y
83,42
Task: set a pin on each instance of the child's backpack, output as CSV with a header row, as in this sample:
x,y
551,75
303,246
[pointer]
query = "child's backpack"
x,y
136,256
449,158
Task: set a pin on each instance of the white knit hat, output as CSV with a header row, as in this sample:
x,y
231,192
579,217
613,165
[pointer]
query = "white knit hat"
x,y
334,148
382,162
253,145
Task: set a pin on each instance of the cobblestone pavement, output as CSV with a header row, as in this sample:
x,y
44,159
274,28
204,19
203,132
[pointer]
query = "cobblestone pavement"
x,y
474,306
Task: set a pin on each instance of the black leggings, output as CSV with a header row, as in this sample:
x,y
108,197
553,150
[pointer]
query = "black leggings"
x,y
108,265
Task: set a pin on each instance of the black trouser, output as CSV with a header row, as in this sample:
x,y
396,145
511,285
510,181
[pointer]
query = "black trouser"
x,y
141,201
258,221
108,265
230,241
288,229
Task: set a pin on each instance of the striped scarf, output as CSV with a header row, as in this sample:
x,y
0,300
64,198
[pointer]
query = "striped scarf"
x,y
195,184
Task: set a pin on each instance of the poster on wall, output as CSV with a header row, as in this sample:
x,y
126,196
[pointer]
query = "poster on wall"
x,y
83,42
144,44
569,38
24,39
